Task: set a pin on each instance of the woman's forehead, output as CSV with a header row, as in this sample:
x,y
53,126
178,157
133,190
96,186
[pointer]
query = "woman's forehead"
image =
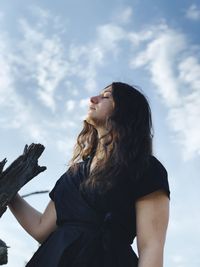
x,y
107,89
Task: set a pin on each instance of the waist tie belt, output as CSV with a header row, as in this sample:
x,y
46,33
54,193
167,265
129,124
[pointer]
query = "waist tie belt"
x,y
112,232
108,231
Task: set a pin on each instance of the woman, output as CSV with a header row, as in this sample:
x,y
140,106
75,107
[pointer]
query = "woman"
x,y
115,190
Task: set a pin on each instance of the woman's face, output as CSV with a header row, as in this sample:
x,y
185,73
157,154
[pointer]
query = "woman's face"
x,y
100,107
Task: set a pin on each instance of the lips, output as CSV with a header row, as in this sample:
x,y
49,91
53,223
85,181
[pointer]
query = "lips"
x,y
91,108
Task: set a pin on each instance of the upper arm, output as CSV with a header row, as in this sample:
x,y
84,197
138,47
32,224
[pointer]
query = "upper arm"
x,y
47,222
152,214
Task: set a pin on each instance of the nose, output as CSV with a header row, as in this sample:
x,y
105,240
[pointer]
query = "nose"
x,y
94,99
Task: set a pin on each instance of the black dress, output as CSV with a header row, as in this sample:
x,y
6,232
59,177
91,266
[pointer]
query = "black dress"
x,y
95,231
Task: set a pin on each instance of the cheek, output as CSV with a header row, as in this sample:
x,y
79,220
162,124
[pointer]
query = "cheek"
x,y
107,111
111,108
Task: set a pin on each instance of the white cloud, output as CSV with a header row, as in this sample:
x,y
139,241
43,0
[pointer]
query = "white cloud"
x,y
5,78
43,58
61,79
41,14
109,35
65,146
51,64
79,104
126,15
21,246
84,102
86,59
193,12
42,62
46,63
123,16
136,38
156,58
70,104
177,79
44,16
178,260
72,89
14,111
189,70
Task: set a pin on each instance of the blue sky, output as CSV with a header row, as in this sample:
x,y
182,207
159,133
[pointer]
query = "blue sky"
x,y
55,55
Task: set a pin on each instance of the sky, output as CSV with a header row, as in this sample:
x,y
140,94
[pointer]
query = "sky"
x,y
54,55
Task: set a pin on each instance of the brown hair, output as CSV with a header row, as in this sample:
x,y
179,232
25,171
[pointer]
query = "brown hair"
x,y
130,139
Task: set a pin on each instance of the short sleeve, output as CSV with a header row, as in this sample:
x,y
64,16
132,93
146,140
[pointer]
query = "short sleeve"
x,y
58,187
52,192
154,178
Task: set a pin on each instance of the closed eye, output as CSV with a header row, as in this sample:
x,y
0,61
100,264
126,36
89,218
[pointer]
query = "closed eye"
x,y
105,95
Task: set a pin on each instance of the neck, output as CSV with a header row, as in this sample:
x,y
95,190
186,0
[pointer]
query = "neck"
x,y
101,132
101,149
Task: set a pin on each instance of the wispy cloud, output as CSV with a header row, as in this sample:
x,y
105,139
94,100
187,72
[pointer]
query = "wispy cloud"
x,y
45,81
193,13
15,112
156,59
70,104
31,73
176,76
123,15
43,58
87,59
48,64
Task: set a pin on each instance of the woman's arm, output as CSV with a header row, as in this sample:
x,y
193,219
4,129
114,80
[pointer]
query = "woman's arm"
x,y
152,215
38,225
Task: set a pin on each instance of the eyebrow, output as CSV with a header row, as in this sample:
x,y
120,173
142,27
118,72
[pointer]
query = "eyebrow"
x,y
106,91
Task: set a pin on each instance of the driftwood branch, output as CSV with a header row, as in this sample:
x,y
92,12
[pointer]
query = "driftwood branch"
x,y
3,246
3,253
35,193
21,171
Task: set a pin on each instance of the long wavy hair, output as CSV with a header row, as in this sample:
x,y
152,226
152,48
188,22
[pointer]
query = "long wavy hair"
x,y
128,143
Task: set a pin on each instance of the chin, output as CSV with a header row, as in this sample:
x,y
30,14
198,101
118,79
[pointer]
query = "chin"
x,y
94,122
89,120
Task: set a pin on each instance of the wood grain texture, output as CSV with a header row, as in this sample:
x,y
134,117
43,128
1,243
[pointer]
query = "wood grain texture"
x,y
13,178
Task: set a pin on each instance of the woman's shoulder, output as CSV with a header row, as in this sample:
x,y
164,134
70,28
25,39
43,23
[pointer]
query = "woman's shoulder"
x,y
154,177
155,166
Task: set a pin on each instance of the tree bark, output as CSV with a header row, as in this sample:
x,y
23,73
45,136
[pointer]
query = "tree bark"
x,y
21,171
3,253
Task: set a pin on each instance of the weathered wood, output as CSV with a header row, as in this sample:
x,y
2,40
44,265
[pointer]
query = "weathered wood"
x,y
2,164
35,193
3,253
21,171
